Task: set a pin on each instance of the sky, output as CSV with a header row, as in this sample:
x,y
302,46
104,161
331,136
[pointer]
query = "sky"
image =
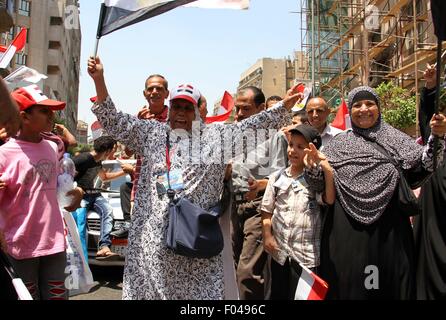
x,y
209,48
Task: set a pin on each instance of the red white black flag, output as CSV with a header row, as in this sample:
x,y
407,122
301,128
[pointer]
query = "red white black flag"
x,y
227,105
342,120
118,14
310,286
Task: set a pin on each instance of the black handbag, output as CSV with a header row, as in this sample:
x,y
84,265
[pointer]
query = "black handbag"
x,y
192,231
407,201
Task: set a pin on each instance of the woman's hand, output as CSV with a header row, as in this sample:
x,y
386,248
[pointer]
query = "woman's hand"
x,y
96,72
292,97
95,68
313,157
438,125
430,75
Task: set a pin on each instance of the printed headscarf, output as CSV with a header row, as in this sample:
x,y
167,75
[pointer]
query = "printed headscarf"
x,y
365,179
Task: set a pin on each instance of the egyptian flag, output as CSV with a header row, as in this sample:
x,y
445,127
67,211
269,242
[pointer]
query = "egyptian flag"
x,y
227,105
118,14
17,283
309,285
2,51
96,130
17,45
342,120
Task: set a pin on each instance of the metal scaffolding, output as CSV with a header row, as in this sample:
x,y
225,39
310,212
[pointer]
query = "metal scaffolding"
x,y
353,42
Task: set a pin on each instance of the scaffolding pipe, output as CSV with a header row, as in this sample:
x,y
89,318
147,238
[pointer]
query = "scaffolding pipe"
x,y
417,95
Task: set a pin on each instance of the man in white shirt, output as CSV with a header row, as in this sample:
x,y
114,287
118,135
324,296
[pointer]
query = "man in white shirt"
x,y
318,112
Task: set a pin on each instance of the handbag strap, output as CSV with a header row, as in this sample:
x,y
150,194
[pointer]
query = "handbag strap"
x,y
384,152
420,177
170,191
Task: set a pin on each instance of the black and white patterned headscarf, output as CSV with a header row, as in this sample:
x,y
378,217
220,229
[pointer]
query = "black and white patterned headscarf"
x,y
365,179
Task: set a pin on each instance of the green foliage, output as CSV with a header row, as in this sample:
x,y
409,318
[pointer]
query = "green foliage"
x,y
398,105
80,148
59,120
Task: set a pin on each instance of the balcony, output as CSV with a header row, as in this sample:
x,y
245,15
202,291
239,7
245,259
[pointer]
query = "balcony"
x,y
52,82
55,33
54,57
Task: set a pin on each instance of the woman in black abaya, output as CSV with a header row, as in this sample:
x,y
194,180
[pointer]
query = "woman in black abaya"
x,y
367,248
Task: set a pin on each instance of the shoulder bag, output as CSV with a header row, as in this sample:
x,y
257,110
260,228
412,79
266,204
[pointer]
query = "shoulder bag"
x,y
192,231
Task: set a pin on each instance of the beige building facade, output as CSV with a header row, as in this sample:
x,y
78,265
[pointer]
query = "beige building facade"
x,y
53,48
275,76
82,132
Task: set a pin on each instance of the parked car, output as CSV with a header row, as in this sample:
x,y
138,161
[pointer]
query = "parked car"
x,y
110,191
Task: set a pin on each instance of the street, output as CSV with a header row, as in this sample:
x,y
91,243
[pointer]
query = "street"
x,y
109,284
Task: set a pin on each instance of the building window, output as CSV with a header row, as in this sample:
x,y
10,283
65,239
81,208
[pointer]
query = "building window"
x,y
56,21
24,8
20,59
54,45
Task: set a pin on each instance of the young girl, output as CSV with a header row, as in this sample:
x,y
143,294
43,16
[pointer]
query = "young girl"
x,y
30,218
291,213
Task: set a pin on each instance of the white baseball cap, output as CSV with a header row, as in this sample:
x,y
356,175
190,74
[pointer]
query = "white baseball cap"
x,y
186,92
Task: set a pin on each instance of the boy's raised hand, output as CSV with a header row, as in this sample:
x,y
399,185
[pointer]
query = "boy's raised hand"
x,y
312,156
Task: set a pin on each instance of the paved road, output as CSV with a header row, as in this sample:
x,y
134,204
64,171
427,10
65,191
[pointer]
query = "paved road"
x,y
109,284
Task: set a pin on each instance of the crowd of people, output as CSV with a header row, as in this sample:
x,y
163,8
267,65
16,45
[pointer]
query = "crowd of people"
x,y
297,191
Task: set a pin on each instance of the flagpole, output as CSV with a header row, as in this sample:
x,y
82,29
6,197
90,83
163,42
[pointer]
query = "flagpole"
x,y
99,31
312,49
437,94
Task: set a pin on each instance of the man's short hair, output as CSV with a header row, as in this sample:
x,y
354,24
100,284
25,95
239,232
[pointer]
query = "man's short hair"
x,y
104,144
166,84
273,98
259,97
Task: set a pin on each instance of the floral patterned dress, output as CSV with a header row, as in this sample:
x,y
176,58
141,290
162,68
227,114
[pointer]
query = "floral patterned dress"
x,y
152,271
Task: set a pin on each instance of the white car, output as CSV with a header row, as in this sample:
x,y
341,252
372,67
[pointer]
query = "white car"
x,y
110,191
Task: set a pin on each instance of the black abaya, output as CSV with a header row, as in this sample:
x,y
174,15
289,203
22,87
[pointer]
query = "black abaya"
x,y
430,236
352,252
